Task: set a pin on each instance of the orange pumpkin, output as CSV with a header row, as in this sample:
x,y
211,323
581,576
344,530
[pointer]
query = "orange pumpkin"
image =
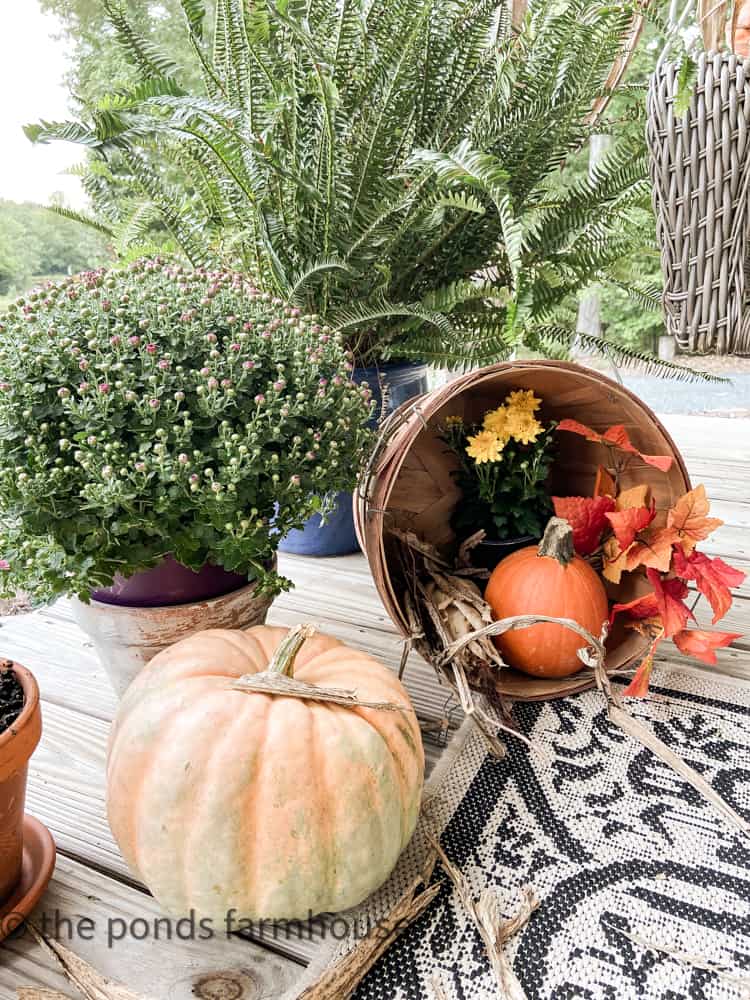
x,y
740,29
269,805
547,580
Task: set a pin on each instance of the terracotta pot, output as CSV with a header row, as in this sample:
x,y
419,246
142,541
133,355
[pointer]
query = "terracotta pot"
x,y
127,637
17,744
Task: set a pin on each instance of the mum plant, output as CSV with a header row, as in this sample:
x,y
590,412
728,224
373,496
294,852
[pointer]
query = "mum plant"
x,y
396,165
503,469
162,410
623,532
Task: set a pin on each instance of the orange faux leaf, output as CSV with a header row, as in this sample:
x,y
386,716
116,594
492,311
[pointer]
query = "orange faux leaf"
x,y
604,485
615,561
640,607
689,520
670,602
587,517
575,427
713,578
651,628
618,437
653,549
636,496
628,522
638,687
701,644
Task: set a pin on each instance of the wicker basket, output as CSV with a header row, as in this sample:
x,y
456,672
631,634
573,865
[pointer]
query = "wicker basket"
x,y
700,169
408,485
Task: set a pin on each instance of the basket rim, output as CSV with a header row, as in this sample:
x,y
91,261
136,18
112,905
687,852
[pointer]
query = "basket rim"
x,y
425,407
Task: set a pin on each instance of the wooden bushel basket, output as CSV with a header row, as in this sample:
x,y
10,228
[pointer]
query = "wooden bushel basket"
x,y
408,486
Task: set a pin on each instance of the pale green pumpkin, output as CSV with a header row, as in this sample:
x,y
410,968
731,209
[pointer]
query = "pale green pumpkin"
x,y
276,807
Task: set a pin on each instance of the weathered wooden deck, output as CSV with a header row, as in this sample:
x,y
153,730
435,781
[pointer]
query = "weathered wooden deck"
x,y
66,783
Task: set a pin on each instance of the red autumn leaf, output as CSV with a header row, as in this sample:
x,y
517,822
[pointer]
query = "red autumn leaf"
x,y
627,523
713,578
689,518
701,644
670,602
618,437
640,607
587,516
653,550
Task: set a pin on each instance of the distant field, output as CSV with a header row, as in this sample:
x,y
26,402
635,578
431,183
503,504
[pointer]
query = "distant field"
x,y
37,279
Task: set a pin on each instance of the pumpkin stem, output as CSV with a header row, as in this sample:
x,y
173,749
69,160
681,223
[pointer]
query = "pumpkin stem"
x,y
290,645
557,542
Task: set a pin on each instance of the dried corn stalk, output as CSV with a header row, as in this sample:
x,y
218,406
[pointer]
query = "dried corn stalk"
x,y
443,605
87,980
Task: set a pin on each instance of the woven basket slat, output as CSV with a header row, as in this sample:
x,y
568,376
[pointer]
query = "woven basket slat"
x,y
700,172
409,486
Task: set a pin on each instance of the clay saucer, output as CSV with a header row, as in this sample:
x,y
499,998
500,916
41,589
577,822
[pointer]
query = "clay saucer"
x,y
36,871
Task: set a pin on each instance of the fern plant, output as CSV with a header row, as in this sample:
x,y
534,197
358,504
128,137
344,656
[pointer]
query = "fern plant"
x,y
392,164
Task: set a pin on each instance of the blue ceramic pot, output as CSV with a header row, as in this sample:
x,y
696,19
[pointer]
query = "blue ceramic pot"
x,y
337,536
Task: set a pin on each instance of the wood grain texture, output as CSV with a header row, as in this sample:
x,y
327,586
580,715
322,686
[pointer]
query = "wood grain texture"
x,y
66,787
158,967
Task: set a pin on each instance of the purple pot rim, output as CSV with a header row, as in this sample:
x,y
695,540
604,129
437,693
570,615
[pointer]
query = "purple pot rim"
x,y
149,600
154,608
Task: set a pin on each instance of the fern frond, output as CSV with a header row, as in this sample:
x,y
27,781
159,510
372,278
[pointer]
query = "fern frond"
x,y
363,314
370,158
305,276
625,357
646,294
82,218
149,58
195,15
44,132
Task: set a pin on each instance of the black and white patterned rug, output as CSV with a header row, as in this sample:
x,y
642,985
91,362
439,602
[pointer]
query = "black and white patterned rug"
x,y
644,887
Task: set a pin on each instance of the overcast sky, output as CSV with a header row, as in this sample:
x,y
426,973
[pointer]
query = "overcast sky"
x,y
32,65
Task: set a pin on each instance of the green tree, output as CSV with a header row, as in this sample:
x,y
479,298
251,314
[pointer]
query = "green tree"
x,y
99,63
35,242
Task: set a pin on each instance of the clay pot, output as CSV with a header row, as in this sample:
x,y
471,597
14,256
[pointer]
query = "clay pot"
x,y
126,637
17,744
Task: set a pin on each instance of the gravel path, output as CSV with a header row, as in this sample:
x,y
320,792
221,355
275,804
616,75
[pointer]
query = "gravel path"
x,y
670,396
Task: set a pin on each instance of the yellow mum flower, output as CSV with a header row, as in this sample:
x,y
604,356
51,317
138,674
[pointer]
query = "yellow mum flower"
x,y
524,427
497,422
524,399
485,447
453,421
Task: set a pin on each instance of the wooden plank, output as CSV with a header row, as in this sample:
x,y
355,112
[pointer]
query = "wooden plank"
x,y
155,966
721,438
733,664
67,777
67,773
51,644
